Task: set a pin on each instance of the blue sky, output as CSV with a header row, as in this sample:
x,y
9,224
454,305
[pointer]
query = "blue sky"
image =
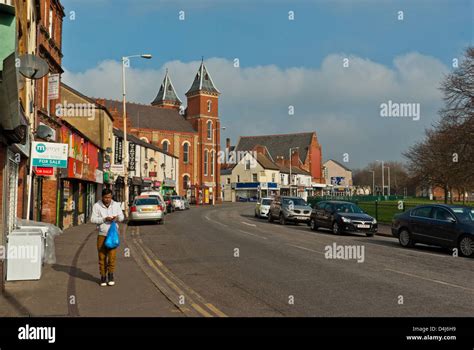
x,y
266,42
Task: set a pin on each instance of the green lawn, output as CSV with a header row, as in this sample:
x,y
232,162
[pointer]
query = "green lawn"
x,y
384,211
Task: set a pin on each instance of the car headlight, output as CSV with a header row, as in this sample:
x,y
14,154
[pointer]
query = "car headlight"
x,y
375,221
346,219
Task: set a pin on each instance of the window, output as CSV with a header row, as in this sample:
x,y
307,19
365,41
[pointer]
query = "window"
x,y
51,23
209,105
212,163
185,182
328,207
238,178
423,212
206,161
273,177
186,153
166,146
254,178
247,165
209,130
228,180
441,214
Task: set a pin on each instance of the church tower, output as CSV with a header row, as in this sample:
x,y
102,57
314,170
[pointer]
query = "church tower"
x,y
167,97
203,114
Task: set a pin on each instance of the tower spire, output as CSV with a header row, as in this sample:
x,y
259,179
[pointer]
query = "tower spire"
x,y
167,96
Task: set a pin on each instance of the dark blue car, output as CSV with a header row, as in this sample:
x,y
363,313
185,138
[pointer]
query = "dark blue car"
x,y
449,226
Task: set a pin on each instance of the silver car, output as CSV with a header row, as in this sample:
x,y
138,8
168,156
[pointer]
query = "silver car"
x,y
289,209
146,208
178,202
262,207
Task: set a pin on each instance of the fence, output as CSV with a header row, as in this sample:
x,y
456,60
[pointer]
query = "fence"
x,y
383,211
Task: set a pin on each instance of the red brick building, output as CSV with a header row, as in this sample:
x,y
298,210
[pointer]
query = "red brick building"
x,y
192,134
49,44
306,152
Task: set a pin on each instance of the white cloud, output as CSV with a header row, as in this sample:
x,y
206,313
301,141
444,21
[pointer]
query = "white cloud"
x,y
341,104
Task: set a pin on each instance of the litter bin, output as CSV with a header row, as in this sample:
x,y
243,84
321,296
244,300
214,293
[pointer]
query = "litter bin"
x,y
25,252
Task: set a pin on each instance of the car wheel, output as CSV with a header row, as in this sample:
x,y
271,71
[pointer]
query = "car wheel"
x,y
466,246
335,228
270,217
312,224
405,239
282,219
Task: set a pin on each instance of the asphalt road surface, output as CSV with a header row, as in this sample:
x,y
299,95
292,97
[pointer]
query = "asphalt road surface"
x,y
221,261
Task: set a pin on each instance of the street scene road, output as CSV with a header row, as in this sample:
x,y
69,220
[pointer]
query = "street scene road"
x,y
243,266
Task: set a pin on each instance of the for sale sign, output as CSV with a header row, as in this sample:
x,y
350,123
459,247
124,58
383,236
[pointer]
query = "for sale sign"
x,y
48,154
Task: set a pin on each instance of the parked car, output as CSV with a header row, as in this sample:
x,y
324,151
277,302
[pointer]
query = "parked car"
x,y
342,217
186,203
169,204
449,226
262,207
178,202
155,194
289,209
145,208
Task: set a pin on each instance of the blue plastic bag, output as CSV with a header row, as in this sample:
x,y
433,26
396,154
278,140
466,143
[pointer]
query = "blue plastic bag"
x,y
112,240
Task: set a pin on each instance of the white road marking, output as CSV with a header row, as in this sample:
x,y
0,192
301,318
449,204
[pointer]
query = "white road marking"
x,y
310,250
246,223
429,279
214,221
252,234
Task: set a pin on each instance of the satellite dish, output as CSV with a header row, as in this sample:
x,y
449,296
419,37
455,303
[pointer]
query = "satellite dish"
x,y
33,67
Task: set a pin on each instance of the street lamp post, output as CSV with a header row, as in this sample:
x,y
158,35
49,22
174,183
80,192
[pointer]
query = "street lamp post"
x,y
290,181
388,190
383,177
124,114
373,182
214,162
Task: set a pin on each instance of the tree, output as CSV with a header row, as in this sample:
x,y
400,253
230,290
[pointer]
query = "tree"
x,y
444,158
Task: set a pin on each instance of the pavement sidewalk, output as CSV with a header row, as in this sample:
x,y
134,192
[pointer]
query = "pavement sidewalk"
x,y
70,287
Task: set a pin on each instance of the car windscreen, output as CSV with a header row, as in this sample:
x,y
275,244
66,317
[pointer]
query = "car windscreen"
x,y
347,208
464,214
266,201
176,197
147,201
294,201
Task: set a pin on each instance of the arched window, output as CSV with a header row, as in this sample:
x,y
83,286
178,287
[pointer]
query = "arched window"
x,y
212,163
209,105
186,152
166,145
206,162
186,182
209,130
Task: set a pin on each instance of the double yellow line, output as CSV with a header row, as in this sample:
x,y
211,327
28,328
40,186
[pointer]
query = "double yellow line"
x,y
191,297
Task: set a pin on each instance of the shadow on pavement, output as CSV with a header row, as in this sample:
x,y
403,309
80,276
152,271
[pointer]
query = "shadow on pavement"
x,y
73,271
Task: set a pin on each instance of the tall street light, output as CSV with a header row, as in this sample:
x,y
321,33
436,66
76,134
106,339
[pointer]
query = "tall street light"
x,y
383,177
214,162
373,181
125,63
290,182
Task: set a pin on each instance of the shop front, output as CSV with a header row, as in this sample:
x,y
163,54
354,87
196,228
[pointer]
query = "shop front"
x,y
79,181
135,187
